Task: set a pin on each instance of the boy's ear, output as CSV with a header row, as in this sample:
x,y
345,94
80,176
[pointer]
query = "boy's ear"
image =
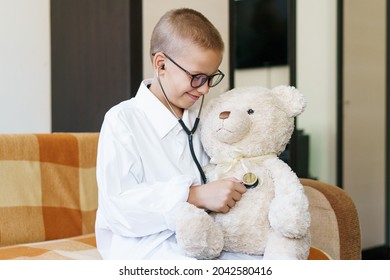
x,y
159,61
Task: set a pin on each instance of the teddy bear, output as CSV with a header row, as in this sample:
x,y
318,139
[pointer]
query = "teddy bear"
x,y
244,131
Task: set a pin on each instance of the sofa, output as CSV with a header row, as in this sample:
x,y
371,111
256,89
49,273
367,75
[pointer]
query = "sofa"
x,y
48,202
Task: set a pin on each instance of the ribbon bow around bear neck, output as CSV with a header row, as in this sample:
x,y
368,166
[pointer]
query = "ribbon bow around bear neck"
x,y
250,179
239,158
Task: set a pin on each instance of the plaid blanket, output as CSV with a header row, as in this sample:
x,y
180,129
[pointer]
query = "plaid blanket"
x,y
74,248
80,248
48,186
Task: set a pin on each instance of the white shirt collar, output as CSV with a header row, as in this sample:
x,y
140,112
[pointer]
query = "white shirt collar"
x,y
161,118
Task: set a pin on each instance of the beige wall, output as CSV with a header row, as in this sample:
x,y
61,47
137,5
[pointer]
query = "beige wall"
x,y
25,97
316,79
364,114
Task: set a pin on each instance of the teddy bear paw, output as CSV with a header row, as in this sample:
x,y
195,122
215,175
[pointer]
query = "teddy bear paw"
x,y
197,234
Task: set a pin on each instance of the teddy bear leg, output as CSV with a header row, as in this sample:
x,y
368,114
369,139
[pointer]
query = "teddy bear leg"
x,y
280,247
197,234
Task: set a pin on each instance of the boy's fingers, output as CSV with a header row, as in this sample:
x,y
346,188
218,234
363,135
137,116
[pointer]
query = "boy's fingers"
x,y
241,188
236,196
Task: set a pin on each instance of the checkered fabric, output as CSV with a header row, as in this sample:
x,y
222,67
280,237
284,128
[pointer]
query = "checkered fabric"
x,y
80,248
73,248
48,186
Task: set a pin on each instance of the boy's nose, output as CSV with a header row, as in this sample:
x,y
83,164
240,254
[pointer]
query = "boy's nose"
x,y
224,115
204,89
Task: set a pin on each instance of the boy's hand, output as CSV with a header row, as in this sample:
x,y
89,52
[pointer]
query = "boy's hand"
x,y
217,196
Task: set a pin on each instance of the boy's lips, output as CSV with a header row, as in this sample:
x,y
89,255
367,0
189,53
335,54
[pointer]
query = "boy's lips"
x,y
193,97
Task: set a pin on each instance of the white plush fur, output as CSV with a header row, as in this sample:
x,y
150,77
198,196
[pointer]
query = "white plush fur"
x,y
272,219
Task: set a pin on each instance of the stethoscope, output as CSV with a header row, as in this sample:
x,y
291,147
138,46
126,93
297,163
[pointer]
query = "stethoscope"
x,y
189,132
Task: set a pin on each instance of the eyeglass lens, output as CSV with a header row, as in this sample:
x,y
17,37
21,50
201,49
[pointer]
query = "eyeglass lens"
x,y
201,79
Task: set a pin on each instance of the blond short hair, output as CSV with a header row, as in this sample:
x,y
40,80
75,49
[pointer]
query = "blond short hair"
x,y
179,27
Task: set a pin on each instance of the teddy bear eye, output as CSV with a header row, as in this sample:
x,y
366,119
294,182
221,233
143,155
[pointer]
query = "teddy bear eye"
x,y
250,111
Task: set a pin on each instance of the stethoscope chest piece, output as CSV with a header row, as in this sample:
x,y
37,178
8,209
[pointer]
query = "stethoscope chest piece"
x,y
250,180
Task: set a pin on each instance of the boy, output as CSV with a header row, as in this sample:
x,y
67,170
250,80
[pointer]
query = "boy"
x,y
147,164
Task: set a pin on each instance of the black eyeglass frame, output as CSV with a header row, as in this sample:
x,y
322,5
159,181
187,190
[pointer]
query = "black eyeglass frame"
x,y
210,78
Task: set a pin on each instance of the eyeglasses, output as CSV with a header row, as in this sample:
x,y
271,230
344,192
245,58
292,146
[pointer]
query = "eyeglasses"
x,y
198,80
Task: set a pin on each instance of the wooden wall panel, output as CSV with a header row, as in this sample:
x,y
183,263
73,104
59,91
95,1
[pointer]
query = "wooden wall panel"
x,y
96,59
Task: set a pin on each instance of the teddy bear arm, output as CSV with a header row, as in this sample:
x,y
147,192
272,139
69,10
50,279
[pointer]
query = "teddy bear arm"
x,y
290,219
289,210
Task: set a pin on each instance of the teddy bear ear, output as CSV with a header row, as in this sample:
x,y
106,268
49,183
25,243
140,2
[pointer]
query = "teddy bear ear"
x,y
292,100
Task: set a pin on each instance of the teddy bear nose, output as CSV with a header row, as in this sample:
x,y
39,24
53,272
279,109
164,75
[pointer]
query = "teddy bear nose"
x,y
224,115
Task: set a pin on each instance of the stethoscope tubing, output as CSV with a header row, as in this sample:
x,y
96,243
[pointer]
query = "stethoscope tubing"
x,y
189,132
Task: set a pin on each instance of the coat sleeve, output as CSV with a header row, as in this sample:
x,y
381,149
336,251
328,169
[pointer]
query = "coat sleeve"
x,y
127,205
